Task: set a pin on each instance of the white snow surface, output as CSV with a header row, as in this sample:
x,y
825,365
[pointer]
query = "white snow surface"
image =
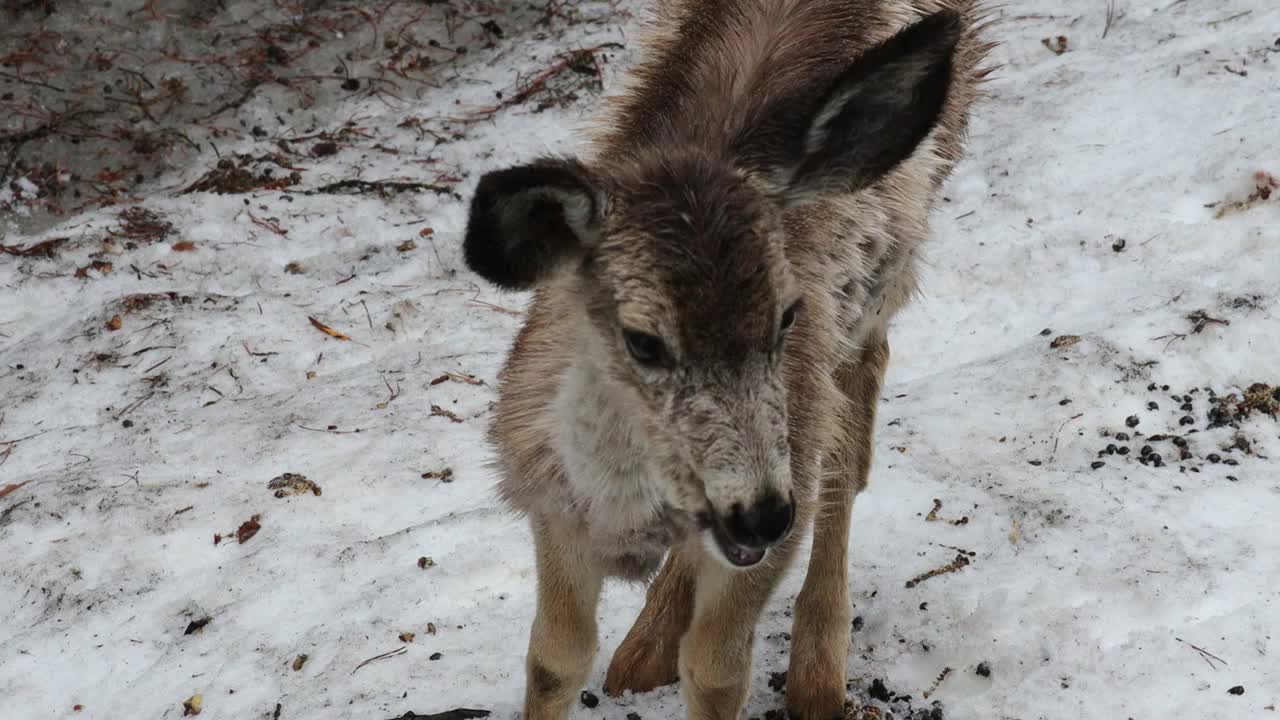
x,y
1089,590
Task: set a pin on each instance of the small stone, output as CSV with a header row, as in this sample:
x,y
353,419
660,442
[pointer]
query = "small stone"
x,y
589,699
1131,421
1237,690
1097,464
983,670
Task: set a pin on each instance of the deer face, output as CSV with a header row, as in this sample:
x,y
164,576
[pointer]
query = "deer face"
x,y
689,301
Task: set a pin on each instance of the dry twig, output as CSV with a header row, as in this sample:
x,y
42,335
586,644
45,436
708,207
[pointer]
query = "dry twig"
x,y
956,565
326,329
398,651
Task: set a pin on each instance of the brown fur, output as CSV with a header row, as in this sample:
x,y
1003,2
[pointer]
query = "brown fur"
x,y
693,253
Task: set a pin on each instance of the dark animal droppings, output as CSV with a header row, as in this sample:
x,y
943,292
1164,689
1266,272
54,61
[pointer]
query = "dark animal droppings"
x,y
1237,690
589,699
1097,464
1131,421
1122,437
983,669
879,692
1186,420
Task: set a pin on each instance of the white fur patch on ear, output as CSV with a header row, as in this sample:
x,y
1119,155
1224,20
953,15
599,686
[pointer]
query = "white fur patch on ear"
x,y
578,211
820,130
577,207
890,88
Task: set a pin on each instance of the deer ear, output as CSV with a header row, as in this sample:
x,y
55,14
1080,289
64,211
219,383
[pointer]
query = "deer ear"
x,y
874,114
527,221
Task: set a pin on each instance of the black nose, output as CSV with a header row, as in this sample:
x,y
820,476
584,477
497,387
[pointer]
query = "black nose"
x,y
765,524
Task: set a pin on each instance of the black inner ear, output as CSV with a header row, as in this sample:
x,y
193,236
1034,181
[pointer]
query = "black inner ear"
x,y
892,98
545,220
846,134
520,229
880,127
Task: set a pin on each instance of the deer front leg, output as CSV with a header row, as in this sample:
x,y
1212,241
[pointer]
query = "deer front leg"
x,y
820,630
563,640
648,657
715,655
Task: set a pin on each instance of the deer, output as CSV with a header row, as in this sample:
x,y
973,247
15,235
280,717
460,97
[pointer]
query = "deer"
x,y
693,390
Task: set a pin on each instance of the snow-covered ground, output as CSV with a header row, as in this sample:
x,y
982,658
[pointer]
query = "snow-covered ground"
x,y
1099,201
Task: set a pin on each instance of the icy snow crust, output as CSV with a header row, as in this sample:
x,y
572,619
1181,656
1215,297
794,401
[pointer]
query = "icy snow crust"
x,y
1129,590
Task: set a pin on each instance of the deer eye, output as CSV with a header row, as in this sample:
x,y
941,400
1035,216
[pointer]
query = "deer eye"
x,y
646,349
789,317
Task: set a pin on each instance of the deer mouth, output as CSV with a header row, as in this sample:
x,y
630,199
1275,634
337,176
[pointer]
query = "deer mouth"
x,y
739,556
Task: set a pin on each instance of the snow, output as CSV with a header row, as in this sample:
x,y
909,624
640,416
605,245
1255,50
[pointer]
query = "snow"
x,y
1089,590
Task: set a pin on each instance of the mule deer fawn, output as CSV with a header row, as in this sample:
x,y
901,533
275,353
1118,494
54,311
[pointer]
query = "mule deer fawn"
x,y
698,371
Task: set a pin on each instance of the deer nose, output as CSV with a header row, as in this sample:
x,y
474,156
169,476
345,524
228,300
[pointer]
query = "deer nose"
x,y
766,523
